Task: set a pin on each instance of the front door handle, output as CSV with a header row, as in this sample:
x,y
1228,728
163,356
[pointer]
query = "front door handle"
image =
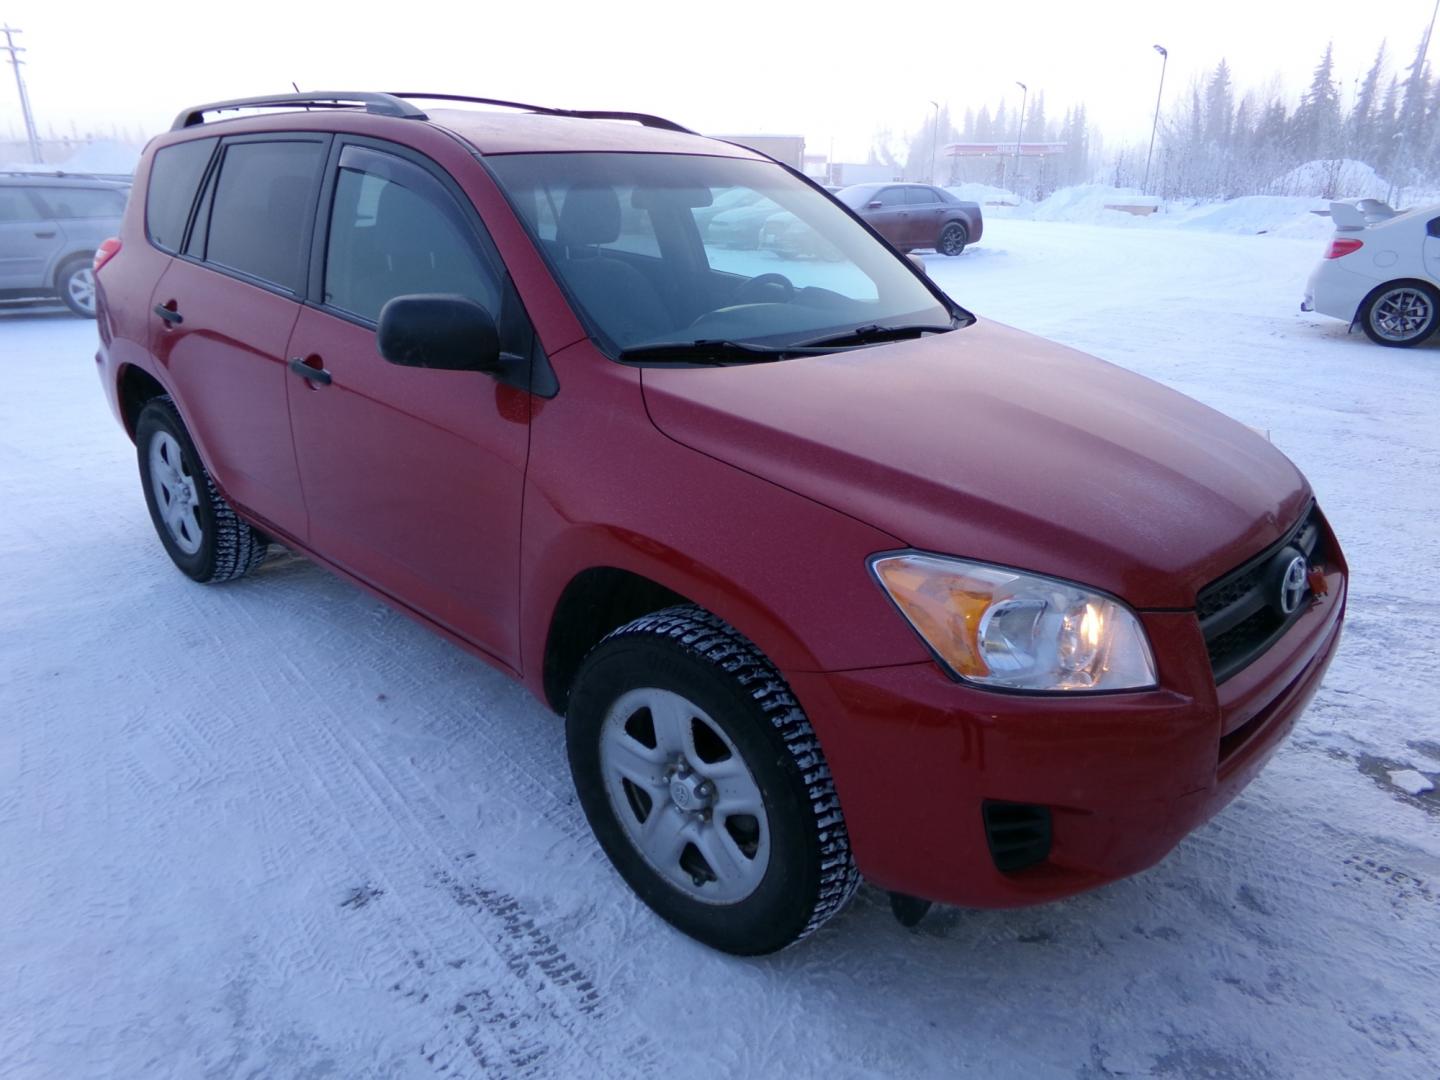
x,y
48,234
317,375
169,314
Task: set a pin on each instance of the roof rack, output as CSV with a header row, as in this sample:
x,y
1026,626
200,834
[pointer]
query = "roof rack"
x,y
645,119
394,104
379,104
66,174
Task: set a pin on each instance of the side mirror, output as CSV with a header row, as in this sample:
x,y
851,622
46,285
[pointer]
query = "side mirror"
x,y
439,330
874,204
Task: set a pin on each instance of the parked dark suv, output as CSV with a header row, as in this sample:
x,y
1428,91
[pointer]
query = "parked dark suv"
x,y
826,576
50,227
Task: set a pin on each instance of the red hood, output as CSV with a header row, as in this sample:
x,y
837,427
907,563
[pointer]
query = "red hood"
x,y
992,444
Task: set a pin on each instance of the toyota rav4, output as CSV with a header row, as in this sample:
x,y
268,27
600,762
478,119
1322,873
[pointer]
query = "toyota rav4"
x,y
827,576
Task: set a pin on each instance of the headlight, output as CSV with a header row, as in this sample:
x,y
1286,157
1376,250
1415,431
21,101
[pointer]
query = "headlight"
x,y
1005,628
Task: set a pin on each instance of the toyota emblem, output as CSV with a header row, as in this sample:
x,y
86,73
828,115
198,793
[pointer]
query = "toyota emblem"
x,y
1293,584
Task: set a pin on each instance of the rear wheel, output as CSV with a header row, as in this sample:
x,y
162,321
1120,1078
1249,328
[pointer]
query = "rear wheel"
x,y
1401,315
200,532
705,784
76,285
953,238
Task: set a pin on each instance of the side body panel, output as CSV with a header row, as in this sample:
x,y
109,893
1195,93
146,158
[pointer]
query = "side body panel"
x,y
413,479
225,365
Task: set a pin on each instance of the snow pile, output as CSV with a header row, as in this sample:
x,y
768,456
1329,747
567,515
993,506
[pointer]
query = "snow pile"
x,y
1337,178
99,156
986,195
1279,215
1092,204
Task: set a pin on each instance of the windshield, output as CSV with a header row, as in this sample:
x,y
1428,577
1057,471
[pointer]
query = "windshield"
x,y
668,249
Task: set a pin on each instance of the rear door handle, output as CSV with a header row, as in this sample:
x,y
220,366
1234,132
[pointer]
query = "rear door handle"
x,y
305,371
170,315
46,235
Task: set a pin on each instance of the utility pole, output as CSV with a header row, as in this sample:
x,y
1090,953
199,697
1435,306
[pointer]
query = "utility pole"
x,y
15,51
1020,131
934,140
1164,62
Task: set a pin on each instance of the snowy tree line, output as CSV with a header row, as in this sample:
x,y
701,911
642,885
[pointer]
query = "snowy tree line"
x,y
1211,145
1214,142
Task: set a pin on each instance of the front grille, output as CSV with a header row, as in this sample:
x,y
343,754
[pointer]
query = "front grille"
x,y
1239,613
1018,834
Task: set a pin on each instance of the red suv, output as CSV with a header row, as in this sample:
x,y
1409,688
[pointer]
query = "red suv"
x,y
827,577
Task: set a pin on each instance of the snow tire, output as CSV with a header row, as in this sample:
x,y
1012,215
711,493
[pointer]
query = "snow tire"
x,y
228,548
686,650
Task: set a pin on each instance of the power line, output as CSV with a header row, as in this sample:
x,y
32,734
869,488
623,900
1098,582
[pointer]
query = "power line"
x,y
15,51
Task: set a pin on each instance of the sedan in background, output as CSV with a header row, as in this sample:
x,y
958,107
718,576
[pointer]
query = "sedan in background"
x,y
916,215
1381,270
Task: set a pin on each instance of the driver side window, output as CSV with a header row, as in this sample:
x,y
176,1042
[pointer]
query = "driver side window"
x,y
395,231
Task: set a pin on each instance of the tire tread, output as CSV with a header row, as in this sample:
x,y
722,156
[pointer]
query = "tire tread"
x,y
711,639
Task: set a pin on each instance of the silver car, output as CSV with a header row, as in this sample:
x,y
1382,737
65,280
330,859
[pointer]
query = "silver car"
x,y
50,226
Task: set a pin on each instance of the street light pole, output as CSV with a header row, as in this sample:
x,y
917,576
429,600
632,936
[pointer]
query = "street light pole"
x,y
1164,61
1020,131
934,140
15,51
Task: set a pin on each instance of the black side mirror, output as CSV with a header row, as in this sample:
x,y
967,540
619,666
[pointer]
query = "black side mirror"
x,y
439,330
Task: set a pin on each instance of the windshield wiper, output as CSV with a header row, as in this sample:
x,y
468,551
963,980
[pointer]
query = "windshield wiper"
x,y
873,334
717,351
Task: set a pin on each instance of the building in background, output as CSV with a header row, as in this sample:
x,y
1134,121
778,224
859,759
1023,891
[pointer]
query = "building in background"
x,y
787,148
1021,168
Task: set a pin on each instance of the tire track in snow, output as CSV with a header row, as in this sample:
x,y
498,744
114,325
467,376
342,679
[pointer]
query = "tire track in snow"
x,y
544,987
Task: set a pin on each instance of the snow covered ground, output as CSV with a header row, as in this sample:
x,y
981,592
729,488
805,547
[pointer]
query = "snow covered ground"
x,y
273,829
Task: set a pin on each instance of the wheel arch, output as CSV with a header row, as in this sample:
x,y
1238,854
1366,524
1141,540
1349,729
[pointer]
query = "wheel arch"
x,y
135,386
1393,283
62,261
608,593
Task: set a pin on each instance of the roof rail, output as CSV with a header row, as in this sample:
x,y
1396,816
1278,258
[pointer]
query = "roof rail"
x,y
379,104
646,119
66,174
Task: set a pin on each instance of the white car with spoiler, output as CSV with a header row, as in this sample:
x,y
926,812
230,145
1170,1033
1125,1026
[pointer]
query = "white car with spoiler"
x,y
1382,270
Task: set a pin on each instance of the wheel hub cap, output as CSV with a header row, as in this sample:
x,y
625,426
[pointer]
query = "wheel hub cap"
x,y
175,496
684,796
690,792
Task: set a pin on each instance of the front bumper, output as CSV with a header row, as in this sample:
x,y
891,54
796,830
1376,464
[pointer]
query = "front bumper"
x,y
1125,777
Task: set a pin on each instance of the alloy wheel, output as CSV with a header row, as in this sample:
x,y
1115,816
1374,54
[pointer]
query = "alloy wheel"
x,y
1402,314
81,288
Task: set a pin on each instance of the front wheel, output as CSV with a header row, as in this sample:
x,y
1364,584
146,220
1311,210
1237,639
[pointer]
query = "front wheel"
x,y
953,238
1401,315
76,285
706,785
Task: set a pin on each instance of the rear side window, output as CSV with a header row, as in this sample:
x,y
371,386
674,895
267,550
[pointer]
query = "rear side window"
x,y
174,175
920,196
17,205
261,209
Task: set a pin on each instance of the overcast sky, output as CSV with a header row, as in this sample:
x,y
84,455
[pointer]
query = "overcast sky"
x,y
828,71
